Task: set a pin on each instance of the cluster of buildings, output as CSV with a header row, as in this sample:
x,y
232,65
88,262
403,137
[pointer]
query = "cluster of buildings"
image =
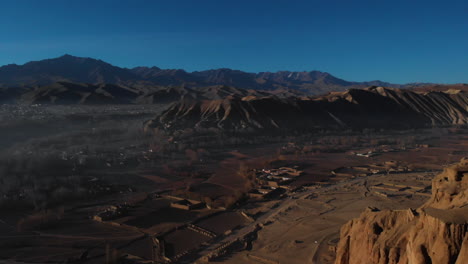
x,y
182,240
111,213
272,180
187,204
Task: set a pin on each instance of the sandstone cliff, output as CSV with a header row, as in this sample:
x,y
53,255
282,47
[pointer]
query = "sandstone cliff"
x,y
434,233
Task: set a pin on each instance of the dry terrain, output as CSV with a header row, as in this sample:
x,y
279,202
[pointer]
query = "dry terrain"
x,y
117,193
307,229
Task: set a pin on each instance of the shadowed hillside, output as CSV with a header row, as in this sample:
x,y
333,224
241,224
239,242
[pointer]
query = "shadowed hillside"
x,y
375,107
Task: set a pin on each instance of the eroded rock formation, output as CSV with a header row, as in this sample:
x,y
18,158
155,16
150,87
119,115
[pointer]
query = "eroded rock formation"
x,y
374,107
434,233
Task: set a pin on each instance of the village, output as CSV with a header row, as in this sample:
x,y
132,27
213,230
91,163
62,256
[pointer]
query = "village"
x,y
186,213
181,227
184,230
170,222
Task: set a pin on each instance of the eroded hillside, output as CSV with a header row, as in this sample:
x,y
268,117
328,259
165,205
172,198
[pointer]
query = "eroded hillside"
x,y
374,107
434,233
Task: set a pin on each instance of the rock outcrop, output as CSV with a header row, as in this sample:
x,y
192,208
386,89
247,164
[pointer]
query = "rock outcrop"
x,y
434,233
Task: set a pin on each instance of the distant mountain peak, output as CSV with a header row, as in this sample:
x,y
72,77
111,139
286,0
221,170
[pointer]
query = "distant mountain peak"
x,y
71,58
67,56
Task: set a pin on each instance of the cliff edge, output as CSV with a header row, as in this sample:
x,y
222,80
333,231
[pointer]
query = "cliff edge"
x,y
434,233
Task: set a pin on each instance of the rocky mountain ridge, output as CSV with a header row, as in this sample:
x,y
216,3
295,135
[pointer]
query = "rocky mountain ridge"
x,y
374,107
73,69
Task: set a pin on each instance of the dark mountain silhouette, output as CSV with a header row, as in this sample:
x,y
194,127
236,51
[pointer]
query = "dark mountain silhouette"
x,y
68,68
70,79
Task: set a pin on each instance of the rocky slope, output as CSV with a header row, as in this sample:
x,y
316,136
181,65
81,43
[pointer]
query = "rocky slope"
x,y
375,107
434,233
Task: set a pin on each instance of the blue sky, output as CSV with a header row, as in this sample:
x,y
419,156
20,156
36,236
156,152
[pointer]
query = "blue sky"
x,y
395,41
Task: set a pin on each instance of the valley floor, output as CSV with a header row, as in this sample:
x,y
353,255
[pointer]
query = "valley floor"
x,y
305,228
300,226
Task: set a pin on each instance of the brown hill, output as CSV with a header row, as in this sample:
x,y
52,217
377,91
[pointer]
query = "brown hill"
x,y
80,93
433,233
440,87
375,107
73,93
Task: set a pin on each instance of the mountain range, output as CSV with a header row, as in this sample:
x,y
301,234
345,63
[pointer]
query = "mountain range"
x,y
232,100
73,69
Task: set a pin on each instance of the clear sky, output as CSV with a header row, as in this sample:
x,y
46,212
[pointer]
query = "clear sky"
x,y
396,41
